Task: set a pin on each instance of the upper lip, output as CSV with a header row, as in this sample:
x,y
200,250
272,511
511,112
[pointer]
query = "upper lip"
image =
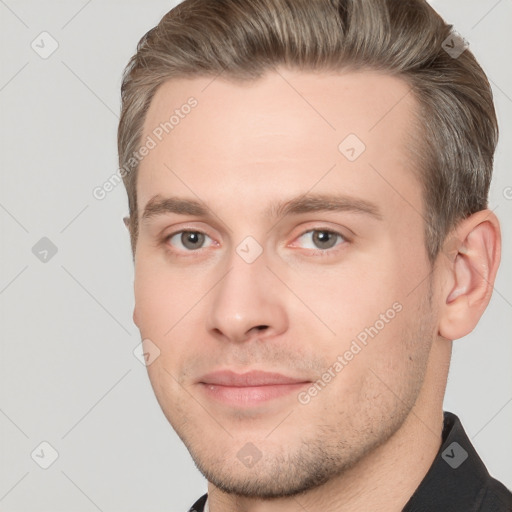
x,y
252,378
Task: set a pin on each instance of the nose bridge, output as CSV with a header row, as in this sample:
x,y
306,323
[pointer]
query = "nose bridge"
x,y
243,300
243,285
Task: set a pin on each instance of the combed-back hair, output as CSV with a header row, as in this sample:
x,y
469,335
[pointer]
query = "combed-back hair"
x,y
244,39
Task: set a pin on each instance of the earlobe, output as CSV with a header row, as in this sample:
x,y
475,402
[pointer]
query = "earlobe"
x,y
470,273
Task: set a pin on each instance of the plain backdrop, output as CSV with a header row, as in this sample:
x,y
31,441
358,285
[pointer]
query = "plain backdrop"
x,y
68,375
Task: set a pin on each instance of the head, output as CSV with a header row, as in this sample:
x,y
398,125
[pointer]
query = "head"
x,y
317,208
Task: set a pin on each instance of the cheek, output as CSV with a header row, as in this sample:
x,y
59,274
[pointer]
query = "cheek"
x,y
368,281
152,304
168,307
348,300
161,298
370,309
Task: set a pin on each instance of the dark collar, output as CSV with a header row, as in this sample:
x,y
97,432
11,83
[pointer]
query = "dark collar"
x,y
198,506
457,481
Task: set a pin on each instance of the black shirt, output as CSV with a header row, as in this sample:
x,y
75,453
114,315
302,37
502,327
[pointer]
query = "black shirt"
x,y
457,481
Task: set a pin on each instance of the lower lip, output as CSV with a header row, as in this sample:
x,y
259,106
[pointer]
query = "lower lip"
x,y
250,395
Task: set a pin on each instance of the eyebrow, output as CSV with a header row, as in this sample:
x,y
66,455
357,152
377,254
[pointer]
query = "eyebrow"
x,y
159,205
306,203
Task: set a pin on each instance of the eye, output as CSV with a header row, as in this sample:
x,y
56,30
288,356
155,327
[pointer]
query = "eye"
x,y
320,239
189,240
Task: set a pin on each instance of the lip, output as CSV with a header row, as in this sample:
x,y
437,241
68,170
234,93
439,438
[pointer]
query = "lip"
x,y
248,389
248,379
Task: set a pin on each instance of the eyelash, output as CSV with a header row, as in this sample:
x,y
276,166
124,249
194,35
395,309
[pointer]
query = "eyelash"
x,y
312,252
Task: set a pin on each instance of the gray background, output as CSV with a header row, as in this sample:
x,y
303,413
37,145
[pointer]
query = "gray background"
x,y
68,375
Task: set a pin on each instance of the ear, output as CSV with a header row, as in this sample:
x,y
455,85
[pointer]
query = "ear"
x,y
471,258
126,221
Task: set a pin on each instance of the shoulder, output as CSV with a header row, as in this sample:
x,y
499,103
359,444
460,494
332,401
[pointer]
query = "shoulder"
x,y
496,497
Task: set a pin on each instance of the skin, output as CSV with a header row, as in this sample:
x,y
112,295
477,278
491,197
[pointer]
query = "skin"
x,y
366,440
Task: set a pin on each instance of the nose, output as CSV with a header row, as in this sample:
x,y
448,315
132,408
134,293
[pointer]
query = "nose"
x,y
246,304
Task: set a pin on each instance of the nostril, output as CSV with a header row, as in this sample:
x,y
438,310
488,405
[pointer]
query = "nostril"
x,y
261,327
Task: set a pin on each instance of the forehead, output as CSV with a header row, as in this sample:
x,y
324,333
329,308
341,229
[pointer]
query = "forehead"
x,y
281,133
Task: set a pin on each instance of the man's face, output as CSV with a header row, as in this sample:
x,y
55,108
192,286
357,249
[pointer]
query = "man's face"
x,y
308,261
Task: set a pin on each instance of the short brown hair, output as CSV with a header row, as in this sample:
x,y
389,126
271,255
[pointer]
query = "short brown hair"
x,y
243,39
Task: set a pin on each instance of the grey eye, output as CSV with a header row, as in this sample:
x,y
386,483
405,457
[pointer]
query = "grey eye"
x,y
189,240
325,239
192,239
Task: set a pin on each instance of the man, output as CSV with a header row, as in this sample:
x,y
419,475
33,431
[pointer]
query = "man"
x,y
307,186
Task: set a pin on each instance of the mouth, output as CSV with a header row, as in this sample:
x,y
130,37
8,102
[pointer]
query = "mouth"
x,y
249,389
